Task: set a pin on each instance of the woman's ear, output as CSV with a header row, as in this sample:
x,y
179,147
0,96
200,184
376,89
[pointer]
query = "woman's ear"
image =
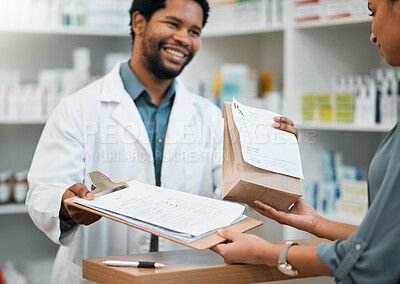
x,y
138,23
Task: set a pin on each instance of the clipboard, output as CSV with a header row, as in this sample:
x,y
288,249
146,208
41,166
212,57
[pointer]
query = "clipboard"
x,y
104,185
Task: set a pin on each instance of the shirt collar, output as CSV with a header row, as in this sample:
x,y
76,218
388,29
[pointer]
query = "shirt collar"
x,y
135,88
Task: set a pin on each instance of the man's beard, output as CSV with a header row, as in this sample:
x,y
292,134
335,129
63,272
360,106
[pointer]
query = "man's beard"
x,y
153,62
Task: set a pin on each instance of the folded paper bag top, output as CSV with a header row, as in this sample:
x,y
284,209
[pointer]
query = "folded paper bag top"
x,y
245,183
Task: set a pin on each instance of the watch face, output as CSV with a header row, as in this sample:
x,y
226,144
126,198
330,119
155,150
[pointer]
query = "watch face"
x,y
287,269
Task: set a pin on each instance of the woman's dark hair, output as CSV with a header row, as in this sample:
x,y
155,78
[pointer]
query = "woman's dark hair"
x,y
148,7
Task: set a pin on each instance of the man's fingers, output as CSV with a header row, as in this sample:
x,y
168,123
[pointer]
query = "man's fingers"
x,y
286,127
80,190
284,120
285,124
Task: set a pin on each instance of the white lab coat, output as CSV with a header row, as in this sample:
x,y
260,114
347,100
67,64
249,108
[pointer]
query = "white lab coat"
x,y
100,128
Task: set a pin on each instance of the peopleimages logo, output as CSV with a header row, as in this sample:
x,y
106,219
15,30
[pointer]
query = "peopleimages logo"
x,y
114,133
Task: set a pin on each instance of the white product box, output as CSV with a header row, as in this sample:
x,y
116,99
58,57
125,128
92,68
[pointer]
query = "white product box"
x,y
336,9
305,11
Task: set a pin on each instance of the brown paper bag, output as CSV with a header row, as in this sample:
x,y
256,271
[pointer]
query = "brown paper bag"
x,y
245,183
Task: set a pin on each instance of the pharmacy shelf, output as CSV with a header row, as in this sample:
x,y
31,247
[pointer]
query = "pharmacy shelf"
x,y
337,22
67,31
207,33
13,209
341,127
124,33
22,121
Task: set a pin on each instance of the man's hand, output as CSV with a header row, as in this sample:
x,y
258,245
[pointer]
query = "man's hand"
x,y
79,216
285,124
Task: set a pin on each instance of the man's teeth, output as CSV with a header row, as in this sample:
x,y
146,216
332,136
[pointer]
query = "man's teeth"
x,y
174,52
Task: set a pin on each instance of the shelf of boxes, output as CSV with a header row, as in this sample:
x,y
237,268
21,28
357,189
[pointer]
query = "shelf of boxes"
x,y
75,31
365,19
67,31
8,209
22,122
242,31
341,127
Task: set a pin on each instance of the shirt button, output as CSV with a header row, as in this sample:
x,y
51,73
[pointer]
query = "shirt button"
x,y
358,246
160,141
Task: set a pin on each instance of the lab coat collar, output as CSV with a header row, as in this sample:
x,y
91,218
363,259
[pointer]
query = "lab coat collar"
x,y
125,112
113,88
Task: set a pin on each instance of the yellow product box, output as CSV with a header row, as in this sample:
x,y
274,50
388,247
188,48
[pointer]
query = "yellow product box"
x,y
325,114
355,191
353,209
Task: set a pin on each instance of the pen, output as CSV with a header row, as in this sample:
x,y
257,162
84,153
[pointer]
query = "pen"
x,y
139,264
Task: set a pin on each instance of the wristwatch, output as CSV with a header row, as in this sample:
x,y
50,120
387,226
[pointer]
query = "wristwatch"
x,y
283,265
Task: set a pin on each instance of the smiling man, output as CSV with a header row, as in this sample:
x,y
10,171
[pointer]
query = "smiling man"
x,y
138,122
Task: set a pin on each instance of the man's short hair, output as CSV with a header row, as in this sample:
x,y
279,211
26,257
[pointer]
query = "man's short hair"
x,y
148,7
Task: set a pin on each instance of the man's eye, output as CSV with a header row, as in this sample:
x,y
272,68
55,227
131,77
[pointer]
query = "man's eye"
x,y
196,33
172,24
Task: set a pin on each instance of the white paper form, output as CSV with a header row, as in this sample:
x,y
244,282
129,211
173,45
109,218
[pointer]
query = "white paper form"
x,y
264,146
173,210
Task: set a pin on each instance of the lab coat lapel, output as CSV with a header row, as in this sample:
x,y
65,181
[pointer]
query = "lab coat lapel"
x,y
126,112
181,117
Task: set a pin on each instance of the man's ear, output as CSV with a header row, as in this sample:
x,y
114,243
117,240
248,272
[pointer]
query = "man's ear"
x,y
138,23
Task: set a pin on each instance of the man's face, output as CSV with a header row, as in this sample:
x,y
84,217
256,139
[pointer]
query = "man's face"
x,y
171,38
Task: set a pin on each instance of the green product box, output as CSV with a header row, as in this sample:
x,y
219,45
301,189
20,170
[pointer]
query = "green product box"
x,y
308,100
345,115
308,114
344,100
324,101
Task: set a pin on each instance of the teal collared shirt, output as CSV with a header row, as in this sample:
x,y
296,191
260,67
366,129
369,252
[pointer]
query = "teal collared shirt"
x,y
155,118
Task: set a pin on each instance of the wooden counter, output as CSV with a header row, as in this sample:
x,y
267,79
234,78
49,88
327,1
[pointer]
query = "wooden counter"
x,y
184,266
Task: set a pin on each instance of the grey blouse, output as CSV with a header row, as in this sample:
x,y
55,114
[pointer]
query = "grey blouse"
x,y
372,253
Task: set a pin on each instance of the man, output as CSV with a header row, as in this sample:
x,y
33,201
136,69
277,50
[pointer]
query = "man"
x,y
138,122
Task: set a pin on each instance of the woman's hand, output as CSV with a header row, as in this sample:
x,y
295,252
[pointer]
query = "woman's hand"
x,y
243,248
285,124
301,215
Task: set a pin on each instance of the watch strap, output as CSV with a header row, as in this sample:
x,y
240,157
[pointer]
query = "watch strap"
x,y
284,251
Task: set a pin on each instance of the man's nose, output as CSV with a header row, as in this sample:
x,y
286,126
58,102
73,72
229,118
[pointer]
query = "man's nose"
x,y
182,36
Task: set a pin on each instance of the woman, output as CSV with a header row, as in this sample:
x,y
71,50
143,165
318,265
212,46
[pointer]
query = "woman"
x,y
366,254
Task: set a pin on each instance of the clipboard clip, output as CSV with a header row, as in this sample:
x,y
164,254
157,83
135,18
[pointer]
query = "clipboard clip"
x,y
102,184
